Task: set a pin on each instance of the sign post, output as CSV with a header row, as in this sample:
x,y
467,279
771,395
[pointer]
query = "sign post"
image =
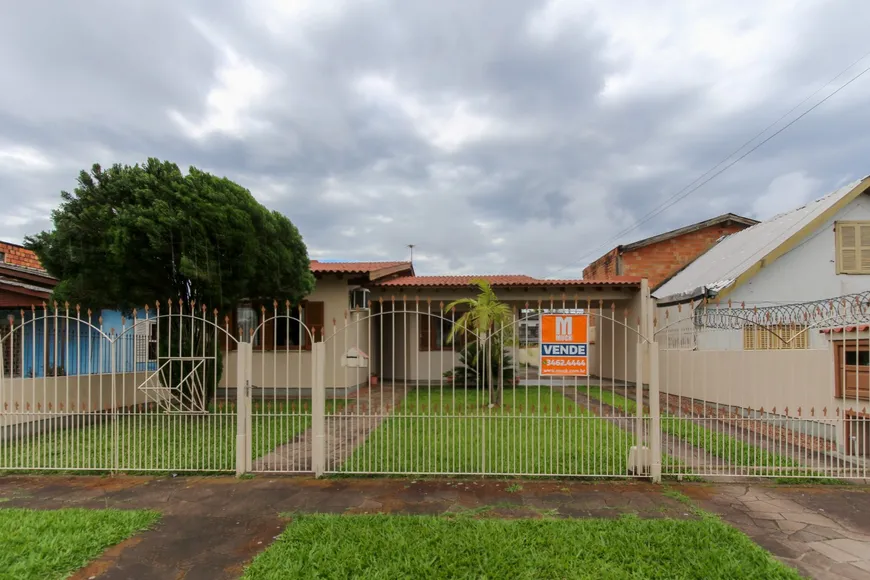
x,y
564,345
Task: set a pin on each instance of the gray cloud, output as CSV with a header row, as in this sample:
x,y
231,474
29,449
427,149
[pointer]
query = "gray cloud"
x,y
510,137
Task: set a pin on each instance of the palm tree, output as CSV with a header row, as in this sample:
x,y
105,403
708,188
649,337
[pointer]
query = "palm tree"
x,y
491,320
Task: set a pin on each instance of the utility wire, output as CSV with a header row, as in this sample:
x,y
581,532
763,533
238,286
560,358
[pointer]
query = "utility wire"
x,y
683,193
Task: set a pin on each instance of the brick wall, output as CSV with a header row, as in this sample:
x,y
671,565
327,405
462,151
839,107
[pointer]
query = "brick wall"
x,y
604,268
658,262
18,256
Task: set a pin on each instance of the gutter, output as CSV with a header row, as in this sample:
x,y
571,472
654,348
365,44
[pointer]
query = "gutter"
x,y
701,292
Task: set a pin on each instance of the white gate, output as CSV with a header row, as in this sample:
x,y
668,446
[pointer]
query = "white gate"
x,y
282,359
402,398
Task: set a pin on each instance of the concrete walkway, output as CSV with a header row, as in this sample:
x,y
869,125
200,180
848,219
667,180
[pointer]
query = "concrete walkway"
x,y
213,526
673,446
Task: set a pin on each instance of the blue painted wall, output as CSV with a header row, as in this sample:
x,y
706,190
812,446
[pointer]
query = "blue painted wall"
x,y
40,345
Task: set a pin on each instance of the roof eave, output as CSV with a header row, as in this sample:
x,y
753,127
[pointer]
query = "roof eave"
x,y
25,291
683,297
795,239
724,218
391,271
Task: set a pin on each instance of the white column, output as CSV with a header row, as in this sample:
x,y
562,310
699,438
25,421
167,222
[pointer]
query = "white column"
x,y
243,408
655,427
318,409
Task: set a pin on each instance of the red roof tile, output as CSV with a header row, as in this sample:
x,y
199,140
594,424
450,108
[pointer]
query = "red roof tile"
x,y
500,280
839,329
353,267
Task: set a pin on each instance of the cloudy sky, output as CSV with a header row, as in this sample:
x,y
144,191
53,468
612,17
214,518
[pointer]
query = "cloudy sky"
x,y
499,136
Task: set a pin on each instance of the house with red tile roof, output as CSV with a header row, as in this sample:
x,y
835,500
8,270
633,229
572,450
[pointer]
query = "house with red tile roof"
x,y
23,280
383,319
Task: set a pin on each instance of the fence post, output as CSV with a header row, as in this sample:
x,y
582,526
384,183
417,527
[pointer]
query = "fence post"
x,y
655,414
641,457
243,410
116,435
318,409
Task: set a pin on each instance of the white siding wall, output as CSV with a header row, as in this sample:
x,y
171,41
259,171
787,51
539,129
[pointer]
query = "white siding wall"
x,y
808,272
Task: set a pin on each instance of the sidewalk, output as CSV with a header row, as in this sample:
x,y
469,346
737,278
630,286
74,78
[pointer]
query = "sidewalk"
x,y
213,526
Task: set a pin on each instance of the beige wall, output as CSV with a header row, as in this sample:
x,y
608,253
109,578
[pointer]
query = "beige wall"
x,y
752,379
77,393
755,380
293,368
428,366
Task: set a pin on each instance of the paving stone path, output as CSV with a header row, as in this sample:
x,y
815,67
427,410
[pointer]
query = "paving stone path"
x,y
822,531
346,430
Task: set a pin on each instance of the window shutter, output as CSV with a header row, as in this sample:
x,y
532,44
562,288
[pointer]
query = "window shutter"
x,y
267,331
425,331
864,248
315,319
847,236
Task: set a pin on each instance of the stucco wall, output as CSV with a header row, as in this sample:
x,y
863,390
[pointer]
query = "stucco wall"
x,y
620,333
80,394
277,369
770,380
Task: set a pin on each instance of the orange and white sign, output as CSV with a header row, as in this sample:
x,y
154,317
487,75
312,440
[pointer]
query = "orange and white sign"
x,y
565,345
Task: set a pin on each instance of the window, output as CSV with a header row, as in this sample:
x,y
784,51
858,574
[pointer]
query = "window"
x,y
359,299
145,336
857,359
282,330
2,257
434,334
853,247
776,337
852,379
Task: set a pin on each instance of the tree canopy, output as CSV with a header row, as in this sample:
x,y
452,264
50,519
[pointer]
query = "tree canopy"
x,y
130,235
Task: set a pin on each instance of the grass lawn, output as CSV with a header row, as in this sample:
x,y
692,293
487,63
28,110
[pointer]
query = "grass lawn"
x,y
736,452
43,545
155,441
535,432
390,546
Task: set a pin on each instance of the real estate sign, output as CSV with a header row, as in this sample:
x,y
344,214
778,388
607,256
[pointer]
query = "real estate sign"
x,y
564,345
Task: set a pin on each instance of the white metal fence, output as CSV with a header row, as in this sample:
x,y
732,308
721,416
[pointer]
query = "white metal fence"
x,y
771,394
143,397
392,390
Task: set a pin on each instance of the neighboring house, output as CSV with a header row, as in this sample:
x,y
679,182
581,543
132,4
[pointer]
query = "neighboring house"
x,y
25,296
753,316
818,251
659,257
23,281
